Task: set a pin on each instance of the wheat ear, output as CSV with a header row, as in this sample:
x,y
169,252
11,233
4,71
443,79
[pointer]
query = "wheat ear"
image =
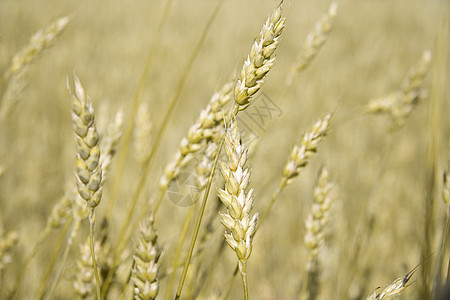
x,y
399,104
314,237
300,154
314,41
238,199
259,61
394,289
89,171
145,270
37,44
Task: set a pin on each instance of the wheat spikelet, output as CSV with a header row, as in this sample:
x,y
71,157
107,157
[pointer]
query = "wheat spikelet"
x,y
88,171
314,239
399,104
314,41
239,223
145,270
7,243
259,61
303,151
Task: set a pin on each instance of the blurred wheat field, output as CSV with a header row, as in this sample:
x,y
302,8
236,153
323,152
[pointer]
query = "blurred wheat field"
x,y
384,177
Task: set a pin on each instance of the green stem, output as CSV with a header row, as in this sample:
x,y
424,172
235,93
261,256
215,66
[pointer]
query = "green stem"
x,y
199,222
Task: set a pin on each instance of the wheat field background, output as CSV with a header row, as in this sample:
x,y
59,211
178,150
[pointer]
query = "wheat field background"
x,y
386,172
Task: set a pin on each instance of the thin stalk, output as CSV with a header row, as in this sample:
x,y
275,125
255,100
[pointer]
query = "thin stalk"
x,y
52,261
243,271
178,252
136,103
91,244
199,221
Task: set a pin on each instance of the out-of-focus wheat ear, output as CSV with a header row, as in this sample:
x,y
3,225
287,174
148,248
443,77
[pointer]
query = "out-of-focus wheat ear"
x,y
394,289
238,199
314,237
38,43
7,243
300,154
400,103
145,271
84,283
109,142
314,41
307,148
12,93
142,133
259,61
61,212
